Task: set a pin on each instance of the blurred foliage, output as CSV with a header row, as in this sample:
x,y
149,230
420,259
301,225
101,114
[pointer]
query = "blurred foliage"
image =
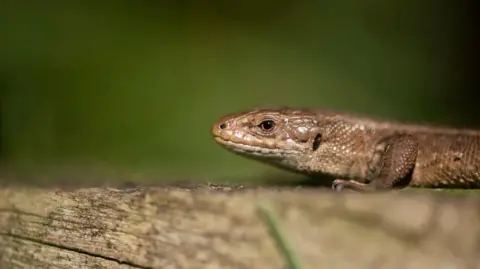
x,y
136,85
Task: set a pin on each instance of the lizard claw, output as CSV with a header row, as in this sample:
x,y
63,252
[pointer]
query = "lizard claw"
x,y
338,185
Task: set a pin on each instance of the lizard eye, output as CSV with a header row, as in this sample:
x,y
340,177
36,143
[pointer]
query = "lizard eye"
x,y
267,125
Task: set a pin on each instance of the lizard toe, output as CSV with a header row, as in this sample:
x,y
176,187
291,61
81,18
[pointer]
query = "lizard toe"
x,y
338,185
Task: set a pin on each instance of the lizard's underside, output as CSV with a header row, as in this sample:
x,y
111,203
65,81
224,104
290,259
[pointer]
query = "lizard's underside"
x,y
361,153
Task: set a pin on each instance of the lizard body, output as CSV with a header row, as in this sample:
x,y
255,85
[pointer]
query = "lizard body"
x,y
361,153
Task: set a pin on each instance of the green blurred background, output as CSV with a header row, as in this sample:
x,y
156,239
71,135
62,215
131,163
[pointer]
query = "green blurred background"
x,y
128,90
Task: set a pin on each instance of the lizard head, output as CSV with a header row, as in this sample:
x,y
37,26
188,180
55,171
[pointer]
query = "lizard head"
x,y
278,136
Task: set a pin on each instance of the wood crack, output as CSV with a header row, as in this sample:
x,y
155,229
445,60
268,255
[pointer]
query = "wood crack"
x,y
77,250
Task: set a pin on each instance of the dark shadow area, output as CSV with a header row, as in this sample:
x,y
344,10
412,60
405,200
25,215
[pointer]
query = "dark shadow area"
x,y
286,180
463,98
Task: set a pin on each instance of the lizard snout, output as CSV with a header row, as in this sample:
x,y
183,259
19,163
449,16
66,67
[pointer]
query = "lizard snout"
x,y
218,127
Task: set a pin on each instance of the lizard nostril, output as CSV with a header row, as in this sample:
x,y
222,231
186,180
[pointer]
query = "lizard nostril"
x,y
222,126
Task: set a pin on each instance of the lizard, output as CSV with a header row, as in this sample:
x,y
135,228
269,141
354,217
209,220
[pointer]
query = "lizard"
x,y
358,152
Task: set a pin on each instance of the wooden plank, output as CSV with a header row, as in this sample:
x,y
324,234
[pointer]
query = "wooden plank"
x,y
162,227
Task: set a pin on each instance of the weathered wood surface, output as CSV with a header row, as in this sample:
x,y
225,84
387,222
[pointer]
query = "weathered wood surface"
x,y
160,227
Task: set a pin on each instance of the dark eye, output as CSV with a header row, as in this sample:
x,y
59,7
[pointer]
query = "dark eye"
x,y
267,125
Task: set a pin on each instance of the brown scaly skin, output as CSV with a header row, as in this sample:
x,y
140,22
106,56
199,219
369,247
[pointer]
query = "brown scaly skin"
x,y
361,153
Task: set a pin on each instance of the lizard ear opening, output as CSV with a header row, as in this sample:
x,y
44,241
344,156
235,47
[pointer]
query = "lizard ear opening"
x,y
316,142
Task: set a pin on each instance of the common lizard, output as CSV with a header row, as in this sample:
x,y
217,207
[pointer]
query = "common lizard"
x,y
360,153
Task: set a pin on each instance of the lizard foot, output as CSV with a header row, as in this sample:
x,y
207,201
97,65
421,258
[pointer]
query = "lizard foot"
x,y
342,184
338,185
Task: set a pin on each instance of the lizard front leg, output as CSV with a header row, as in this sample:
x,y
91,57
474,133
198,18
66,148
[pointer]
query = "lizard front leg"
x,y
398,162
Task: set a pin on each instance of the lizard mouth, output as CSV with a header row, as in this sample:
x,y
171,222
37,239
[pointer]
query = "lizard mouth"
x,y
254,150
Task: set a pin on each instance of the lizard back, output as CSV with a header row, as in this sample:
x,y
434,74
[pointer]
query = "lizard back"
x,y
446,157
